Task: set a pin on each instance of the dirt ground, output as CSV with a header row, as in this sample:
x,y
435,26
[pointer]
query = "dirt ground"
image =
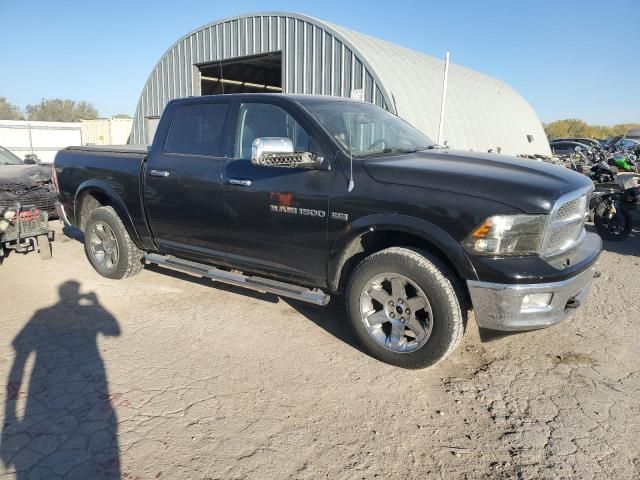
x,y
158,377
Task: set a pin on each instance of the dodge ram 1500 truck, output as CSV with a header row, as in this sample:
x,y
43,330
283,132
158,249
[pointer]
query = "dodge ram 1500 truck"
x,y
312,196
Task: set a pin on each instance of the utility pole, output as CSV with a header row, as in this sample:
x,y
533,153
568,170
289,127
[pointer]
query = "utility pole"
x,y
444,97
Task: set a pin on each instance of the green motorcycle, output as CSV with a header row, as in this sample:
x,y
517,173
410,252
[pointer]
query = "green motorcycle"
x,y
622,162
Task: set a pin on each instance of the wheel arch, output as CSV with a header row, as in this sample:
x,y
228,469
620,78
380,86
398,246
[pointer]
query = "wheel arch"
x,y
373,233
103,195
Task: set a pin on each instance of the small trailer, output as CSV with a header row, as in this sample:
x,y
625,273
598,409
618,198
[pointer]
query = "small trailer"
x,y
24,229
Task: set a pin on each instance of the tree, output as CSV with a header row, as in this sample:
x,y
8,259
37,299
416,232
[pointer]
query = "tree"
x,y
8,111
571,128
122,115
58,110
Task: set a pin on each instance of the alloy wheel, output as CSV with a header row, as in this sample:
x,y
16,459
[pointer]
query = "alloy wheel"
x,y
396,312
104,245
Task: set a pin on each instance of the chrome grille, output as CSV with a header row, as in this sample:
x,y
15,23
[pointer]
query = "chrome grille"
x,y
558,238
570,209
566,224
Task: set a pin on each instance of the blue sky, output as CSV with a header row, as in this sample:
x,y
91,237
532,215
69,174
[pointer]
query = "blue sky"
x,y
569,59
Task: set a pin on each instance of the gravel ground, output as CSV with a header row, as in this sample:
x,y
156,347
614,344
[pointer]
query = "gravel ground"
x,y
158,377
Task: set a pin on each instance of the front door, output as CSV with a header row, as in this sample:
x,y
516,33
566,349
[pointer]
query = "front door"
x,y
183,180
276,217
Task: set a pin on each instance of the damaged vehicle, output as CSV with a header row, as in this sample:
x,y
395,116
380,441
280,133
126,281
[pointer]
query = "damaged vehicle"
x,y
27,201
309,197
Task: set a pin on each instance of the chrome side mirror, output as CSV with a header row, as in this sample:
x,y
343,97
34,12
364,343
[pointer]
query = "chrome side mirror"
x,y
279,152
578,149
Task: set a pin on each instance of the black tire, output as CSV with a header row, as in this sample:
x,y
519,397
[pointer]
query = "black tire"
x,y
44,246
130,257
622,218
440,285
88,205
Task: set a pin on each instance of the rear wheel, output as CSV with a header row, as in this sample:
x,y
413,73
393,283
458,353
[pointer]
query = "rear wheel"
x,y
404,307
109,247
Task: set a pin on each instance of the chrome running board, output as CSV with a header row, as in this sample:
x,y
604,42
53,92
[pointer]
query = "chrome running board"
x,y
316,296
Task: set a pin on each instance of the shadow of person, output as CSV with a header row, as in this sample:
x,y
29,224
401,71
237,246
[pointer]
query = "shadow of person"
x,y
69,427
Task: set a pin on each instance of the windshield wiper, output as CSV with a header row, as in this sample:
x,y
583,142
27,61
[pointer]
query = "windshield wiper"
x,y
390,150
403,150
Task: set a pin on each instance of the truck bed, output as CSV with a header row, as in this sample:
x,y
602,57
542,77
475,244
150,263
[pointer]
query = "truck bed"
x,y
110,168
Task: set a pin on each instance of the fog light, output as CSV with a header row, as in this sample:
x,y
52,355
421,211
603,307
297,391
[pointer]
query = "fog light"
x,y
536,300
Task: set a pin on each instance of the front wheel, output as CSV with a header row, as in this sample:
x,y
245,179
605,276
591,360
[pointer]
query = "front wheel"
x,y
109,247
613,227
404,306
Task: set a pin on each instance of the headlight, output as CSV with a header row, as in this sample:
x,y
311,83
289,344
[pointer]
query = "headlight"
x,y
507,235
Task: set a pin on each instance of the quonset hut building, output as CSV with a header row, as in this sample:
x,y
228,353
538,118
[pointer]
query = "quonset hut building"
x,y
293,53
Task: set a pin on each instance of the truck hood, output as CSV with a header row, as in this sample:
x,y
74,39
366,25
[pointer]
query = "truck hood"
x,y
27,175
529,185
26,182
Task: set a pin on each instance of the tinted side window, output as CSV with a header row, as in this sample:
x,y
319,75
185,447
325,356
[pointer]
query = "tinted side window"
x,y
266,120
197,130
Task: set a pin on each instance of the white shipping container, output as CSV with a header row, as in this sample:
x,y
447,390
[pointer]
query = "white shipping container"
x,y
106,131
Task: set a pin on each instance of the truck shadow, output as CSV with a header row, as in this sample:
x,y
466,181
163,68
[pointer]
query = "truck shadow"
x,y
331,318
73,233
628,246
207,282
59,420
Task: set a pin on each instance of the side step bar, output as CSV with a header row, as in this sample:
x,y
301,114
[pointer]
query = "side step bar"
x,y
317,296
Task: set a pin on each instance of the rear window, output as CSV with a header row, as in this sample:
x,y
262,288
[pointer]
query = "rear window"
x,y
197,130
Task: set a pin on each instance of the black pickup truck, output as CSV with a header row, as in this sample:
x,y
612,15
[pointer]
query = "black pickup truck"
x,y
308,196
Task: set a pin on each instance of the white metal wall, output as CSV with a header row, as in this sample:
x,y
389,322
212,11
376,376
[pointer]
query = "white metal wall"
x,y
43,139
482,113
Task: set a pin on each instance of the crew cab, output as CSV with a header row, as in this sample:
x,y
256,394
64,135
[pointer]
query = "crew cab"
x,y
310,197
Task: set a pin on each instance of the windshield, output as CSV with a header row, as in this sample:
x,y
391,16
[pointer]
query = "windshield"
x,y
363,129
8,158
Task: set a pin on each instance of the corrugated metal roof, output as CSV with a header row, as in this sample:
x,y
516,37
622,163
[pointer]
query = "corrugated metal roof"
x,y
321,58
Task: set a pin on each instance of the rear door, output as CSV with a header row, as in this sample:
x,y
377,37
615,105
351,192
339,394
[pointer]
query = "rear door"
x,y
277,217
183,179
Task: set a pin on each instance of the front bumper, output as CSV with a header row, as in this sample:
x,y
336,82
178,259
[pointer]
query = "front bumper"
x,y
497,306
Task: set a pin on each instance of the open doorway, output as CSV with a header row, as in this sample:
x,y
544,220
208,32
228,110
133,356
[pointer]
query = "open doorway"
x,y
255,74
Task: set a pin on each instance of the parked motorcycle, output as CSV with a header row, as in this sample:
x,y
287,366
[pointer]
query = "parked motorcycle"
x,y
624,163
602,172
579,161
611,201
612,221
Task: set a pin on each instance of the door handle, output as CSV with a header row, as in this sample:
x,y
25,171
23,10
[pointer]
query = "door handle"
x,y
159,173
241,182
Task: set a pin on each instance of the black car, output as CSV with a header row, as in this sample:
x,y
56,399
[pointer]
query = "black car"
x,y
589,142
8,158
28,184
309,197
567,147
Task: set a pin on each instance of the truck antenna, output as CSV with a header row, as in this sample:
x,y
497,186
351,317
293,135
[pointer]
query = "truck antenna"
x,y
351,182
